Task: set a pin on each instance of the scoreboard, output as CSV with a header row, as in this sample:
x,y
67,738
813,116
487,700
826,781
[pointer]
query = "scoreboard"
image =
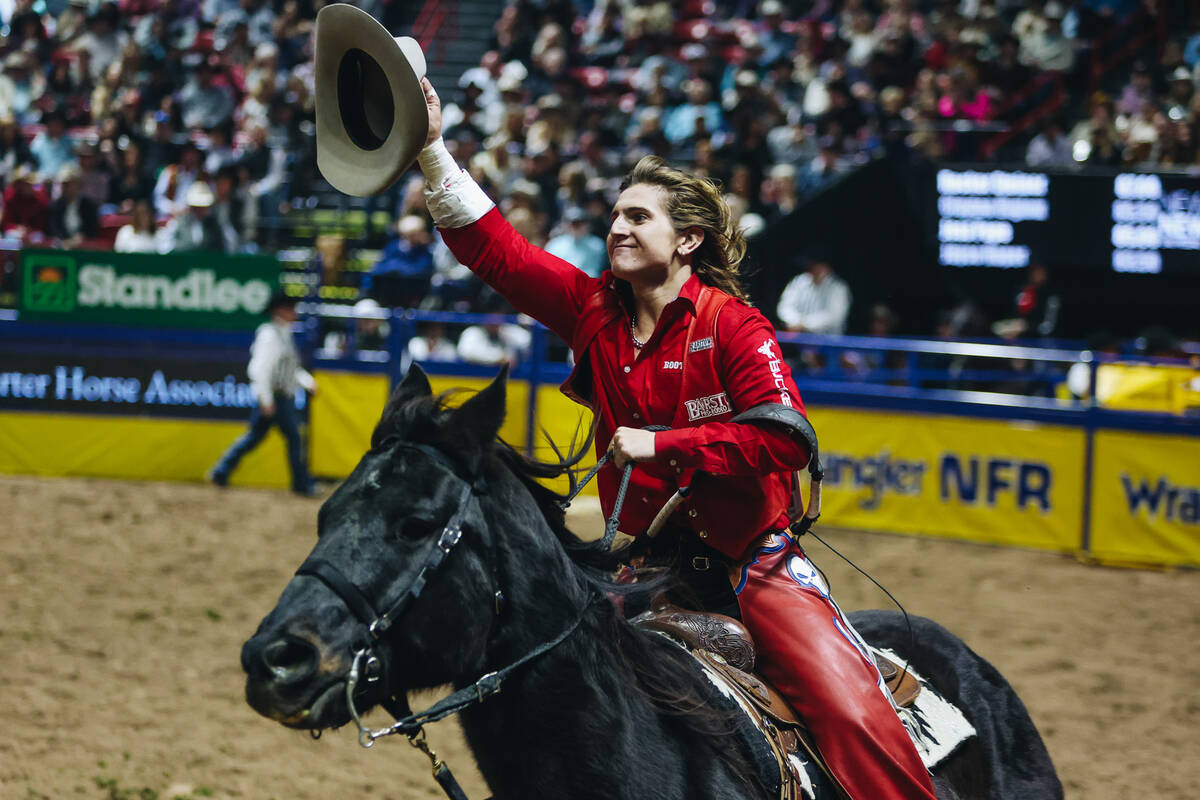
x,y
1120,222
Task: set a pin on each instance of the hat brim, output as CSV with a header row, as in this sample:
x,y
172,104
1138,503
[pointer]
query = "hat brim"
x,y
348,166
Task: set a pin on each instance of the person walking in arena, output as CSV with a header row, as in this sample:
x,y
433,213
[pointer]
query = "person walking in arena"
x,y
667,337
275,375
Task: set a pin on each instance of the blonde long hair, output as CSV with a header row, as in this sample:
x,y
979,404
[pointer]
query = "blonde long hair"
x,y
693,202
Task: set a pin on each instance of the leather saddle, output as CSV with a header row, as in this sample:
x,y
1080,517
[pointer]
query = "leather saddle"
x,y
724,645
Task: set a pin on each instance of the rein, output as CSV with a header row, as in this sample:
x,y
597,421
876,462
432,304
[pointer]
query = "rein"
x,y
610,525
369,665
802,515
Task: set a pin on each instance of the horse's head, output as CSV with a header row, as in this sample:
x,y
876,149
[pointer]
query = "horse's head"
x,y
404,568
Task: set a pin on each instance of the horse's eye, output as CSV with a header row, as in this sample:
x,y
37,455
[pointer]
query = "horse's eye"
x,y
415,528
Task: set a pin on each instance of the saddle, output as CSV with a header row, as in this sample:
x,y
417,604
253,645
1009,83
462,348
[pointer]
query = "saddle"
x,y
724,646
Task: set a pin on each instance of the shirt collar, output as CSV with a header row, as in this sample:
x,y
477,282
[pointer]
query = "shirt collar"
x,y
689,294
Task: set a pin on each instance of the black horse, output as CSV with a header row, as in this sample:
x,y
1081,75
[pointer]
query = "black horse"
x,y
604,709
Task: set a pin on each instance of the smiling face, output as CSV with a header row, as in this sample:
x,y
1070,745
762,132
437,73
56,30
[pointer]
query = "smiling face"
x,y
643,245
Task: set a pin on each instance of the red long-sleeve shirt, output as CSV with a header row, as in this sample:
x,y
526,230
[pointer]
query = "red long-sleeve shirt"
x,y
637,388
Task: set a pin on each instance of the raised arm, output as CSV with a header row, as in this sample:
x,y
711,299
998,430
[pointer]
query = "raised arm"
x,y
543,286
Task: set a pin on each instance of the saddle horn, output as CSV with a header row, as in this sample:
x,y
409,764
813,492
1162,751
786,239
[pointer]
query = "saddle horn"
x,y
370,108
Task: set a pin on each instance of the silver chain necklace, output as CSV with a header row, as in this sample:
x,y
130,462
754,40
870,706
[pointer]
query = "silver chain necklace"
x,y
637,343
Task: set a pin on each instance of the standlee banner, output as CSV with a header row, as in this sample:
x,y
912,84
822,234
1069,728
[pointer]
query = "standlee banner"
x,y
185,290
1146,498
126,385
1001,482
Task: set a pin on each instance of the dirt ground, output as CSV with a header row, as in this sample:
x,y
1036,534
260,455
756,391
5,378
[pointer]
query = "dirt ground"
x,y
125,606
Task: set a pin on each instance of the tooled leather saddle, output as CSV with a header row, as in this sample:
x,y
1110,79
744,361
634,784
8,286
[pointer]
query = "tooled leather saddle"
x,y
724,646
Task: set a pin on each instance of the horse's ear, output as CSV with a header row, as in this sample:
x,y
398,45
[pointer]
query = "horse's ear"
x,y
414,385
478,420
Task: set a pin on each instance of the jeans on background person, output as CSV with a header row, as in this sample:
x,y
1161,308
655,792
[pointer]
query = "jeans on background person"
x,y
288,420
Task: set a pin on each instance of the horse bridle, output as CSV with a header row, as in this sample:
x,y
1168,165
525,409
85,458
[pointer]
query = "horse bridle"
x,y
369,664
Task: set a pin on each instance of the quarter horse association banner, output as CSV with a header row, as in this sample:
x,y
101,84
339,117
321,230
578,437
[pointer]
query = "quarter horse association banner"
x,y
178,290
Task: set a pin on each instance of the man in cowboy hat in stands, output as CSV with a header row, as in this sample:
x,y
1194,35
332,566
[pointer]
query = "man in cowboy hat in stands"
x,y
196,228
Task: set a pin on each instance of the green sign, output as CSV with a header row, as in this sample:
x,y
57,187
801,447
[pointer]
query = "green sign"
x,y
185,290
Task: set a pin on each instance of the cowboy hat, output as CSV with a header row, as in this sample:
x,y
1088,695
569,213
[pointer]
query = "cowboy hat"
x,y
371,114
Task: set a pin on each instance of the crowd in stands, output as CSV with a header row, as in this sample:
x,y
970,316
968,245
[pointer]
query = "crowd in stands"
x,y
175,125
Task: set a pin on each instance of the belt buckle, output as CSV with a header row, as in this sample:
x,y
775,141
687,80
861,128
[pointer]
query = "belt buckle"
x,y
700,563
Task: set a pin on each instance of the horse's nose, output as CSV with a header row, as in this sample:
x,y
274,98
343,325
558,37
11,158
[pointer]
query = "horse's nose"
x,y
286,660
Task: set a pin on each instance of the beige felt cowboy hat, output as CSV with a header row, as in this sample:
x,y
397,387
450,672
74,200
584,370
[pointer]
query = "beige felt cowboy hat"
x,y
371,115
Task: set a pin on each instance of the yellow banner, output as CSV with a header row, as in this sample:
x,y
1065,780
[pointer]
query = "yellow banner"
x,y
134,448
1001,482
342,415
1146,498
348,405
566,423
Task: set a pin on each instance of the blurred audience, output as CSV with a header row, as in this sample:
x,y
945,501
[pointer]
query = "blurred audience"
x,y
816,300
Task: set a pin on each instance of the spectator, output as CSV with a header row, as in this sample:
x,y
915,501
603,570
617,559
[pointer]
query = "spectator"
x,y
817,300
1030,22
203,103
170,191
777,42
1138,92
263,170
1051,49
275,377
779,193
93,175
130,184
234,210
53,148
218,151
371,328
13,150
1005,74
196,229
401,276
19,87
73,217
453,286
104,40
577,245
256,15
1036,307
1095,139
26,209
822,170
1179,94
432,344
1141,133
493,343
860,364
696,118
139,234
1050,148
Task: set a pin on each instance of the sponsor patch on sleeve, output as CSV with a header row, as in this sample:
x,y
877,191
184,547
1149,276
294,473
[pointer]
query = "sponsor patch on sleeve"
x,y
701,344
705,407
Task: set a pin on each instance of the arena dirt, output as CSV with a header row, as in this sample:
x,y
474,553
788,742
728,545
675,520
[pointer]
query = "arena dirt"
x,y
125,606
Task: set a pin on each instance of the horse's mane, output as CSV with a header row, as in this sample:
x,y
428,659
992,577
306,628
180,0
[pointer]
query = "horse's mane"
x,y
662,672
417,419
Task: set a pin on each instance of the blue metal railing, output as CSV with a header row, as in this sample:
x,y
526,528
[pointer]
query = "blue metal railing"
x,y
905,375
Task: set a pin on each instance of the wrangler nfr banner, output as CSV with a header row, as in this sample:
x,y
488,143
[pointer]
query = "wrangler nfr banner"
x,y
186,290
1002,482
1146,498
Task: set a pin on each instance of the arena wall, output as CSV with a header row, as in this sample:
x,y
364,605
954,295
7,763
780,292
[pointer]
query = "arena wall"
x,y
1115,486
